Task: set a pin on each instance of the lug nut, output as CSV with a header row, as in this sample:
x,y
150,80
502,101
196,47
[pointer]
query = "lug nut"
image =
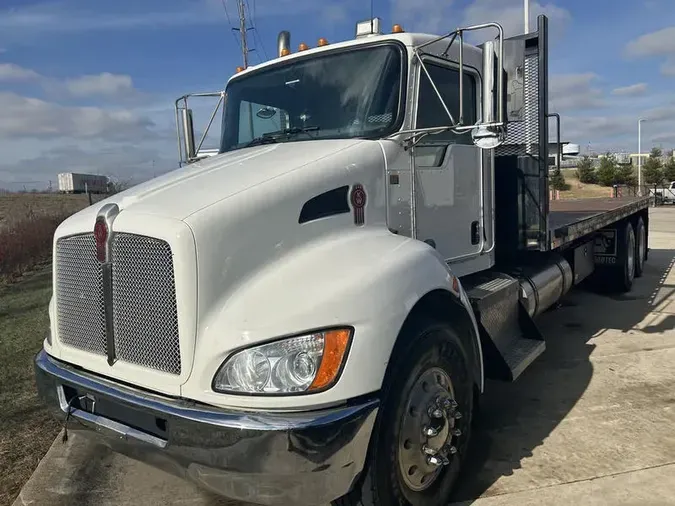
x,y
430,431
437,460
448,404
435,412
457,415
428,450
451,450
456,432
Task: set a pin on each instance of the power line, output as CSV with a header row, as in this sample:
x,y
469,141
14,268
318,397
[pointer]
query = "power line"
x,y
229,22
254,28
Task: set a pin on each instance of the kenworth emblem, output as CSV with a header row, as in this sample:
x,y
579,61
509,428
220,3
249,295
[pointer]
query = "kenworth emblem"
x,y
102,236
358,200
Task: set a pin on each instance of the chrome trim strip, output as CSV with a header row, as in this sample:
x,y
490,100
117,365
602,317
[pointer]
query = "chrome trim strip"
x,y
117,428
108,213
188,410
106,270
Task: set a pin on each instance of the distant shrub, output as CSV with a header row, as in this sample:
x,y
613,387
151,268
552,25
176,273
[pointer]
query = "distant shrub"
x,y
26,242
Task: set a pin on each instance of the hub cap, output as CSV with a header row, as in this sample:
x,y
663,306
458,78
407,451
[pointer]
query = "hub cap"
x,y
427,439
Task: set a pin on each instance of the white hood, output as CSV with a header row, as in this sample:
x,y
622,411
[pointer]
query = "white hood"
x,y
185,191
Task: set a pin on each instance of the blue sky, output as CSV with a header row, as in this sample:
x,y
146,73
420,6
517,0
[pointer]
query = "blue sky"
x,y
89,85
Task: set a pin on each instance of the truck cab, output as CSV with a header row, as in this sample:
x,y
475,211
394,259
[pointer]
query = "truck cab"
x,y
307,313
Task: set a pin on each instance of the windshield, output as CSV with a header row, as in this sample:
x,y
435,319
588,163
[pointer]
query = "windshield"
x,y
354,93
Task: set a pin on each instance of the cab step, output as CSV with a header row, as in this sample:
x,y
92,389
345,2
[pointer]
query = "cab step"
x,y
510,339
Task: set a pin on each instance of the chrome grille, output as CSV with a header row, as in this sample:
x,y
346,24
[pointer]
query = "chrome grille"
x,y
145,315
144,303
80,314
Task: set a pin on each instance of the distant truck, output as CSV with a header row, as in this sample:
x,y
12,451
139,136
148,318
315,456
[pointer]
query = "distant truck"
x,y
666,194
70,182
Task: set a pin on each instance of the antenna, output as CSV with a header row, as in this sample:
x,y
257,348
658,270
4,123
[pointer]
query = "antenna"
x,y
371,15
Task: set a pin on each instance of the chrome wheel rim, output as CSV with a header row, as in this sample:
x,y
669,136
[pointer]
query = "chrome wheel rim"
x,y
427,436
641,246
630,254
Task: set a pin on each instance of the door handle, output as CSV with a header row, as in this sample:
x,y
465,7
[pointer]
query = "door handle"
x,y
475,232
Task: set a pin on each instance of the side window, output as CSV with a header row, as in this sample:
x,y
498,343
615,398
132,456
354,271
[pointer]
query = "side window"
x,y
430,111
258,119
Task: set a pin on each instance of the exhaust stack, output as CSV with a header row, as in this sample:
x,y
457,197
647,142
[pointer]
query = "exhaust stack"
x,y
283,42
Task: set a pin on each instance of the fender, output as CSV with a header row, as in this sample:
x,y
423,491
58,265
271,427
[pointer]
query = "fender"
x,y
367,278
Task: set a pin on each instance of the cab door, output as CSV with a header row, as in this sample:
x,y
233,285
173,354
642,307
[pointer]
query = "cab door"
x,y
448,167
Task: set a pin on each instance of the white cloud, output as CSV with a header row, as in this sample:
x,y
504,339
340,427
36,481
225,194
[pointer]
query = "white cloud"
x,y
104,84
668,67
652,44
630,91
430,16
32,117
509,14
569,92
14,72
125,162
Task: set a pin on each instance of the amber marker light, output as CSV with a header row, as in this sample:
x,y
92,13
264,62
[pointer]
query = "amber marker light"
x,y
397,29
323,42
336,343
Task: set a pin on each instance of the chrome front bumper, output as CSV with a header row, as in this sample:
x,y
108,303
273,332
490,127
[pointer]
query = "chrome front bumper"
x,y
260,457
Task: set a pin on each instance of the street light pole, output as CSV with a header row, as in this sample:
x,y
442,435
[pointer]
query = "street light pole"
x,y
640,156
527,16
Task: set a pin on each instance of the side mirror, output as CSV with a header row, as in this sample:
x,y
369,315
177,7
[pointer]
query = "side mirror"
x,y
188,150
487,135
188,137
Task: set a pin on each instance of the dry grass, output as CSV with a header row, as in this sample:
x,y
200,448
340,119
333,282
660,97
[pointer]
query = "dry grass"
x,y
579,190
26,430
14,205
27,225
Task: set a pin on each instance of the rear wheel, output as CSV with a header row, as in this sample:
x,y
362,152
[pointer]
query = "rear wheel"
x,y
423,429
624,274
640,247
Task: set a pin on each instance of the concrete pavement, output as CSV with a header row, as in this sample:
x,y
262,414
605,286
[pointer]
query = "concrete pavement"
x,y
592,420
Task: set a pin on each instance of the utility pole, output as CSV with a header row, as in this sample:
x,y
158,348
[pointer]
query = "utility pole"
x,y
243,31
241,8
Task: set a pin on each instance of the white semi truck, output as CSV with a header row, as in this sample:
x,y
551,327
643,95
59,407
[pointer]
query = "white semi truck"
x,y
309,314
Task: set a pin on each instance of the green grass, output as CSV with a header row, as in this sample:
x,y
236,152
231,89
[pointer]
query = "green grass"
x,y
26,430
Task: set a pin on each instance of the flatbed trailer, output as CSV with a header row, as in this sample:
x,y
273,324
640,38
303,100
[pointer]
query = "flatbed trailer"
x,y
571,220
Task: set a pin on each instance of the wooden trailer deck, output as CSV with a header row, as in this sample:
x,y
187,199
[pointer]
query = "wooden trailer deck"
x,y
572,219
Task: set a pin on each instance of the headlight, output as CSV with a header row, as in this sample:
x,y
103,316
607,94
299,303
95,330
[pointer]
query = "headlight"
x,y
305,363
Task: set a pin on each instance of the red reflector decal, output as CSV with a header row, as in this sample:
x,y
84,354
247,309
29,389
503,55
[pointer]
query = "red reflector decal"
x,y
358,200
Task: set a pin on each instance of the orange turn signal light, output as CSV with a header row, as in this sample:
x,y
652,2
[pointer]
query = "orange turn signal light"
x,y
336,344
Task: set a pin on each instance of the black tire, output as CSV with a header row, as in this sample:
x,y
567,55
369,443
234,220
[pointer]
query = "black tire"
x,y
432,346
640,247
624,274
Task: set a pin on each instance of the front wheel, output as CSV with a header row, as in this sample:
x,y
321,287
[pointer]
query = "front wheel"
x,y
421,437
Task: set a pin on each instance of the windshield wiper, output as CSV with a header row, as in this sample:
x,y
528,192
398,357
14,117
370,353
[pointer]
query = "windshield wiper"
x,y
272,137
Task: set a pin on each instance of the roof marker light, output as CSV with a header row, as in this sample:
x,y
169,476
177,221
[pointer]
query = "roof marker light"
x,y
323,42
397,29
303,47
